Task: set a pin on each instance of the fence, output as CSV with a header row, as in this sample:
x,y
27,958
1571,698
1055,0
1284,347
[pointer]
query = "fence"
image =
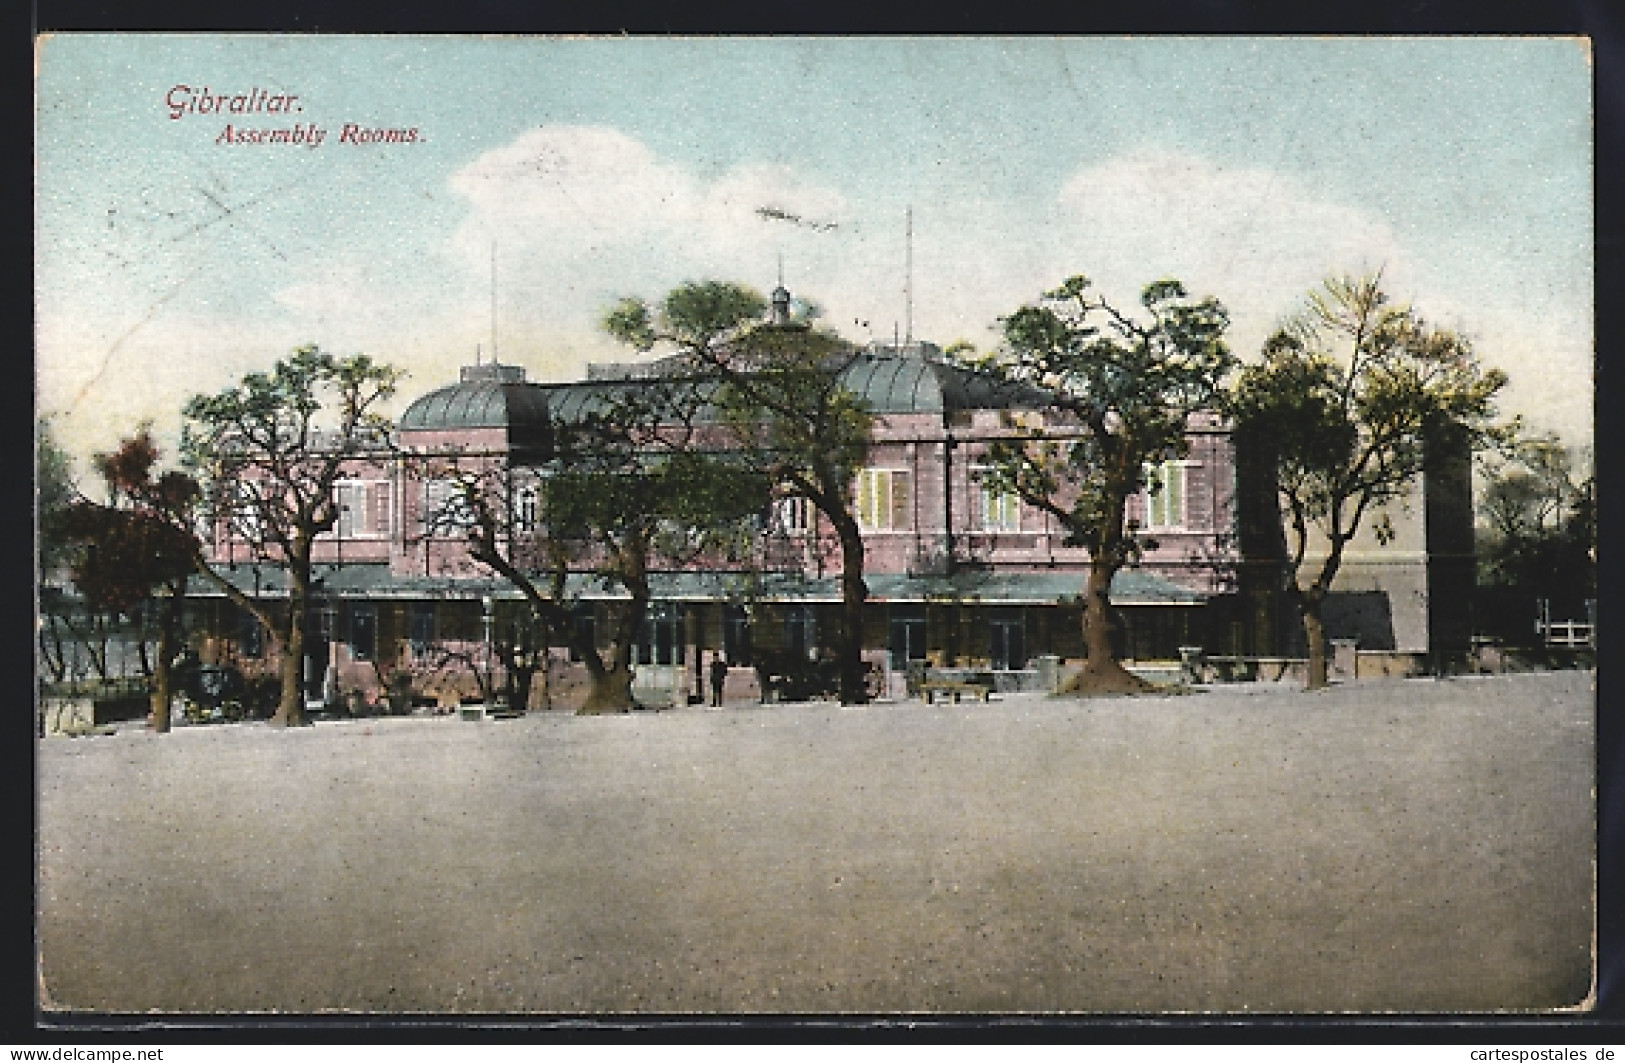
x,y
1568,634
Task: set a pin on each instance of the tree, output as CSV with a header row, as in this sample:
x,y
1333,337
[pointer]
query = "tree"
x,y
1116,393
1532,490
1538,541
786,411
631,486
140,542
1347,399
54,494
269,453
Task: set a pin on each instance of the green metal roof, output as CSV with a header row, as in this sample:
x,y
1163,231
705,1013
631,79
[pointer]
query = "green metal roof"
x,y
889,382
479,404
905,383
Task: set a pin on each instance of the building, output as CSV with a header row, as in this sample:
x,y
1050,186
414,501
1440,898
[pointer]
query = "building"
x,y
958,575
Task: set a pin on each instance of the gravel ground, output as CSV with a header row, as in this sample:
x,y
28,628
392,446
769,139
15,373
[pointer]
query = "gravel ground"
x,y
1411,845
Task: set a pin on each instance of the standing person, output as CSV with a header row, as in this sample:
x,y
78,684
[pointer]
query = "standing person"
x,y
719,676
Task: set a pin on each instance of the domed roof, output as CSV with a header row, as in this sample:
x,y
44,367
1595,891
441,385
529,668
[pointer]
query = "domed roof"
x,y
489,396
915,382
482,404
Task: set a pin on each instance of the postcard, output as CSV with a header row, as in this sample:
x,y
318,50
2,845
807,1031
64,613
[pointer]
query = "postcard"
x,y
1064,526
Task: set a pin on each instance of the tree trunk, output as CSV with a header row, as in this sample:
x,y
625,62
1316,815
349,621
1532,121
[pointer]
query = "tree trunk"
x,y
162,697
1314,632
521,679
290,710
611,684
854,593
94,641
143,658
1309,604
610,690
1102,672
290,707
547,679
50,643
169,622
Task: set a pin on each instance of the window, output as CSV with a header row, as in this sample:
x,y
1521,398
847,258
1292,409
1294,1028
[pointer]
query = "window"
x,y
660,643
445,507
526,510
1165,495
736,635
997,510
790,514
882,499
586,629
906,640
436,494
363,631
363,508
420,627
1005,644
245,511
800,636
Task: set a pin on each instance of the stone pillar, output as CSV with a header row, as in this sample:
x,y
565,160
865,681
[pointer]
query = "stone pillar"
x,y
1345,659
1049,672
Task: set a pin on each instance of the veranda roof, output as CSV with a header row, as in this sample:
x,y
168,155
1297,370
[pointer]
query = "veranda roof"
x,y
1131,587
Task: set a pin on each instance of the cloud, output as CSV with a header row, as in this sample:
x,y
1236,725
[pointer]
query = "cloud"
x,y
589,181
1256,238
1260,240
579,216
590,194
582,215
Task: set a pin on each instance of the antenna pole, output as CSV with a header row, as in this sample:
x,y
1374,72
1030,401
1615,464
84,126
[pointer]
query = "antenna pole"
x,y
908,277
493,302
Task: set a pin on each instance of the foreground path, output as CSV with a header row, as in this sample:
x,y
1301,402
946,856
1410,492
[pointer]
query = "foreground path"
x,y
1412,845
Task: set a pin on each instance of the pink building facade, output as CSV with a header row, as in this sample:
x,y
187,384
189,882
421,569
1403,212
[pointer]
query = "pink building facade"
x,y
958,575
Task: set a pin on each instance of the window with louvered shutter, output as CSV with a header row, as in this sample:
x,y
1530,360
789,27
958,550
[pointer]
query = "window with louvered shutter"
x,y
883,499
378,508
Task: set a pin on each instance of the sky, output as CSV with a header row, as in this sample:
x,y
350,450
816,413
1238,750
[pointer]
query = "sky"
x,y
545,178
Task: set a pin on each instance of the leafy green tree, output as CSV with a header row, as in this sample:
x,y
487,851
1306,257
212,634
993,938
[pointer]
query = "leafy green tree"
x,y
1114,393
138,549
1538,538
786,411
54,494
269,453
1532,490
1346,400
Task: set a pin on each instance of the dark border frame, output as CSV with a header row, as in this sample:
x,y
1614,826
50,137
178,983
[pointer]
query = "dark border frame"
x,y
1603,22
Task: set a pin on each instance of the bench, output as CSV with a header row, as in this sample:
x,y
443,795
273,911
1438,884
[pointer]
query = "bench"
x,y
1248,669
979,685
